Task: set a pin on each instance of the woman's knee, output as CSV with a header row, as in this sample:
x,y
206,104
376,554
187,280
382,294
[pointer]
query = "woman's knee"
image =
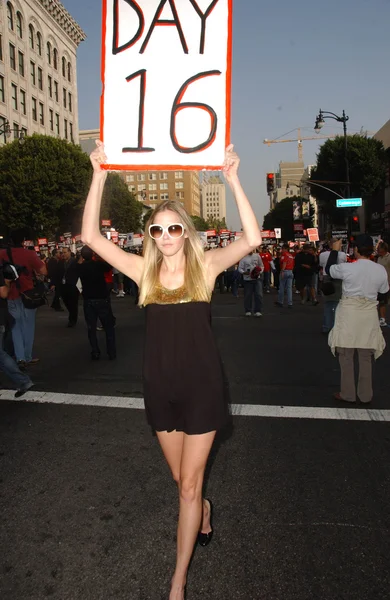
x,y
190,488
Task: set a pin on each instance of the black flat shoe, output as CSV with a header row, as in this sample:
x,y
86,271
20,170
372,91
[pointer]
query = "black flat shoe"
x,y
205,538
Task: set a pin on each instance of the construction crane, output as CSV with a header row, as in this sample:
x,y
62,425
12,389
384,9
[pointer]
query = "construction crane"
x,y
300,139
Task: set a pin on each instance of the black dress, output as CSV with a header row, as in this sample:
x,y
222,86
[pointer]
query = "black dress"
x,y
183,379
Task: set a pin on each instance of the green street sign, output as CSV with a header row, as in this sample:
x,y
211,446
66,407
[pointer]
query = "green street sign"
x,y
349,202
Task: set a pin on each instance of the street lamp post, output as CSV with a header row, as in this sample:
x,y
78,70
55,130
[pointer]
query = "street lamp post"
x,y
7,131
320,122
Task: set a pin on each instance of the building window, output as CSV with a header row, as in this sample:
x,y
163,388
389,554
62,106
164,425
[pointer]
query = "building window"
x,y
51,115
66,129
131,188
48,50
152,187
41,114
153,197
2,127
178,174
24,131
19,25
56,91
23,101
69,72
71,132
2,95
57,124
152,177
32,72
70,102
64,94
1,47
63,67
40,78
163,186
129,178
163,175
12,59
179,195
15,127
39,43
31,36
142,187
21,63
34,110
14,96
141,177
179,185
10,16
164,197
50,85
55,59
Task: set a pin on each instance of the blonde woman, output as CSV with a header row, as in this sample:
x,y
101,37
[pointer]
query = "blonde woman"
x,y
183,383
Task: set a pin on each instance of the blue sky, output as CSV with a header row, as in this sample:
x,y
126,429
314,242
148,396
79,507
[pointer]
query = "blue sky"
x,y
289,60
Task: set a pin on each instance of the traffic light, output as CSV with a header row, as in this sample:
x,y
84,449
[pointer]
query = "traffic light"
x,y
354,224
270,183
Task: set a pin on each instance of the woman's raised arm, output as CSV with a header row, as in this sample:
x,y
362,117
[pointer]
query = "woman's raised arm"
x,y
129,264
223,258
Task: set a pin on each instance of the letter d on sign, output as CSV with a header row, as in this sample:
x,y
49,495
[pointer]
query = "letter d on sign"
x,y
164,108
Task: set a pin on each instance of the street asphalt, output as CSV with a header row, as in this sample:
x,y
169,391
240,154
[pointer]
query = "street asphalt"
x,y
301,505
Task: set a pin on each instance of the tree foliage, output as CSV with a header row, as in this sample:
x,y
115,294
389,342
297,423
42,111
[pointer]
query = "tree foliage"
x,y
367,166
282,216
120,205
202,224
43,185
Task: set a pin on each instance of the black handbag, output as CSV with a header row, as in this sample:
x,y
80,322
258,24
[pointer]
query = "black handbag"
x,y
35,297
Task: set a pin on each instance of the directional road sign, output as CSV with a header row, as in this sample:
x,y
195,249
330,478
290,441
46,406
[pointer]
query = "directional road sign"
x,y
349,202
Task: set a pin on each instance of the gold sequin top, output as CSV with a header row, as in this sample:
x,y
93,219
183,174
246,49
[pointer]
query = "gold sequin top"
x,y
162,295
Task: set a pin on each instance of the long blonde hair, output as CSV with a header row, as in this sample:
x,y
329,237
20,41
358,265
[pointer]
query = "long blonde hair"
x,y
195,278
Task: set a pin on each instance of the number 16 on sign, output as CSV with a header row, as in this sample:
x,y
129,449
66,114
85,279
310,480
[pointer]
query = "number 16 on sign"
x,y
166,70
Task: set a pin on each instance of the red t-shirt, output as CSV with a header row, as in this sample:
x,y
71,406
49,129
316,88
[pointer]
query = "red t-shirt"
x,y
23,258
287,258
266,258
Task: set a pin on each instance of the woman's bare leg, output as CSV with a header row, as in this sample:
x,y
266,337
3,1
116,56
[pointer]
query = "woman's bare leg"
x,y
187,457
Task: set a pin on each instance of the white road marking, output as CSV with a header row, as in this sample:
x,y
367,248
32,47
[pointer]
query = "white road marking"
x,y
243,410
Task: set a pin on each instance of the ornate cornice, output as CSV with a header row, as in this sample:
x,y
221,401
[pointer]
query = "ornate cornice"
x,y
58,12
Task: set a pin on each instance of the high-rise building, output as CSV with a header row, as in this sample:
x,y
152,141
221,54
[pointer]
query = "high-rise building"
x,y
213,198
287,180
153,187
38,76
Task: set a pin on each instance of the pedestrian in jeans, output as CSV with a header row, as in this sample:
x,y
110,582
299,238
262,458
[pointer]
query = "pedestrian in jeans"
x,y
251,267
97,303
356,325
286,276
7,364
23,329
331,299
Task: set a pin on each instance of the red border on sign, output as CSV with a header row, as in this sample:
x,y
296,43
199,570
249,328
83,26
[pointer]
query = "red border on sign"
x,y
111,167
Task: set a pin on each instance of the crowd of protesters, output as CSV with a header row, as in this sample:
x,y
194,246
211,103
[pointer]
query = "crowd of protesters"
x,y
289,270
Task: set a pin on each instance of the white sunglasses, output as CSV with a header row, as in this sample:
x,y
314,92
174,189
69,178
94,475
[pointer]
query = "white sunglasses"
x,y
175,231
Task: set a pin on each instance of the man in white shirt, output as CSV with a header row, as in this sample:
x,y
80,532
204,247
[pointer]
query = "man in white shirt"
x,y
252,267
383,299
356,324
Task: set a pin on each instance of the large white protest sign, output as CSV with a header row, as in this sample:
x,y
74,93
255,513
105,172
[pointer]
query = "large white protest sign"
x,y
166,70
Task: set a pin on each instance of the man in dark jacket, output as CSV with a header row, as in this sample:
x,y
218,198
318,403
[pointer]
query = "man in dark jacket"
x,y
97,303
55,270
69,292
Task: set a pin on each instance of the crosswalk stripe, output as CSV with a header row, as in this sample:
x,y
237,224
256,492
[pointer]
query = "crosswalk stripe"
x,y
243,410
